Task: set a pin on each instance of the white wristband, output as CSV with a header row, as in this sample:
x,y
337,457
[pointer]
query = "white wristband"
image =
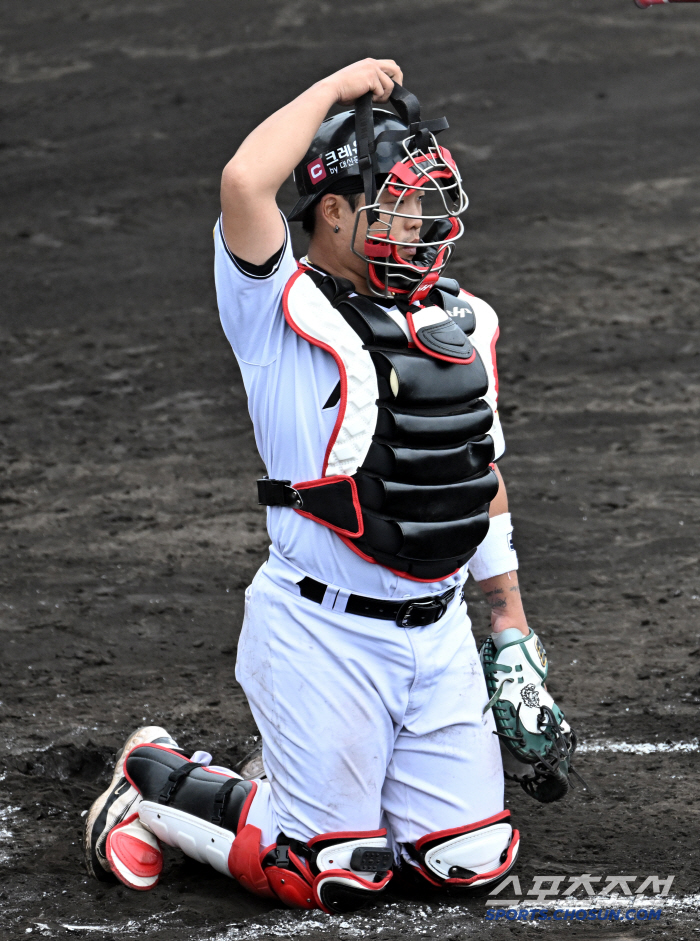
x,y
495,555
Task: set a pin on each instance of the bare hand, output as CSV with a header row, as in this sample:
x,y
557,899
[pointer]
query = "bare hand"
x,y
375,75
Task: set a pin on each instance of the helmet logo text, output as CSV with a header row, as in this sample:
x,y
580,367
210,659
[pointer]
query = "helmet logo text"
x,y
316,170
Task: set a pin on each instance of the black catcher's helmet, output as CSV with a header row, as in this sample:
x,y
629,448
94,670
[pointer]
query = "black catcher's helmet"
x,y
332,157
358,151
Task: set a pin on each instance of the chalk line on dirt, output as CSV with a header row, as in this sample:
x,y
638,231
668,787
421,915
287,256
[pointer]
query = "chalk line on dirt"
x,y
393,917
5,835
638,748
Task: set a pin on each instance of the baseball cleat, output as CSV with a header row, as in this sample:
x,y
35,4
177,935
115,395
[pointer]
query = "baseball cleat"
x,y
134,854
118,802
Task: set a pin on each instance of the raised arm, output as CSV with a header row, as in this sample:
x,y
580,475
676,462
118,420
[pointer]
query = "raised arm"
x,y
252,225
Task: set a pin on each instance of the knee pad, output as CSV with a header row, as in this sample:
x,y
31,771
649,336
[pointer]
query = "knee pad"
x,y
467,857
336,872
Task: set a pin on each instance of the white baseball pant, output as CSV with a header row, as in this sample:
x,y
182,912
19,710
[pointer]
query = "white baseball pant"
x,y
365,724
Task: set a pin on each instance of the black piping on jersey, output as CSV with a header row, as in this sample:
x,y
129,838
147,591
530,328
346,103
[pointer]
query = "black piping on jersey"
x,y
333,398
237,261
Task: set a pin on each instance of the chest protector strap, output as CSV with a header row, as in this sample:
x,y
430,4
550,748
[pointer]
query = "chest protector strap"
x,y
406,479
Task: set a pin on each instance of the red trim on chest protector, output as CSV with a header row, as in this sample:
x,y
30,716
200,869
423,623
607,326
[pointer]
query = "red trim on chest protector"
x,y
329,349
413,578
302,269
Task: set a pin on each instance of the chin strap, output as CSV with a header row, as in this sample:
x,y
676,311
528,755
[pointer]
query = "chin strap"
x,y
366,151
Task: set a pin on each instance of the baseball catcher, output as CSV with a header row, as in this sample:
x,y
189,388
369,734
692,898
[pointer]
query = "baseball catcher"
x,y
372,386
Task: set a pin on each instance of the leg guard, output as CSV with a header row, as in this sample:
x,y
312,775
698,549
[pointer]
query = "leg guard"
x,y
204,812
336,872
191,807
467,857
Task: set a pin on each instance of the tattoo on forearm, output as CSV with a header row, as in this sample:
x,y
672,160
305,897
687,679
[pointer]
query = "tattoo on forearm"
x,y
494,600
496,597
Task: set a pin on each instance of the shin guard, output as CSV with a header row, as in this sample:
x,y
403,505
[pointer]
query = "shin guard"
x,y
204,813
193,808
467,857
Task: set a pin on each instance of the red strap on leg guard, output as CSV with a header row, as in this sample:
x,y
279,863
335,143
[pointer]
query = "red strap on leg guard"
x,y
244,862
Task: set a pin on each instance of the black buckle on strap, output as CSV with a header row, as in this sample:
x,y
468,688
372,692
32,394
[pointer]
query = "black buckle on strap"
x,y
420,613
221,800
278,493
175,779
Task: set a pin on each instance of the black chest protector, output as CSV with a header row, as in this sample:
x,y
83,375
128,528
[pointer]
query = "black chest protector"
x,y
419,501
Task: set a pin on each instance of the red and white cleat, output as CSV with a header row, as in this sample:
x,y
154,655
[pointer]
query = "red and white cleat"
x,y
134,854
118,802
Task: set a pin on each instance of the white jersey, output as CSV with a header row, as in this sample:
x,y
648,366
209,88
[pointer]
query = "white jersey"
x,y
289,383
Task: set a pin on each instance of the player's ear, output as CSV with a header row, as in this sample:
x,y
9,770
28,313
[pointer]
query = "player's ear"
x,y
330,209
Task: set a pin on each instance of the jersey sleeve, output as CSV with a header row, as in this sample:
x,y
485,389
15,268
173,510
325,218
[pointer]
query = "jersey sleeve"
x,y
250,305
484,339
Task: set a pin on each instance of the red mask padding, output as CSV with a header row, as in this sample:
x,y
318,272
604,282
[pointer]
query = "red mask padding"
x,y
434,171
405,172
414,277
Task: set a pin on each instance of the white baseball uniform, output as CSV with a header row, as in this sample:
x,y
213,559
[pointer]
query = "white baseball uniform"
x,y
364,724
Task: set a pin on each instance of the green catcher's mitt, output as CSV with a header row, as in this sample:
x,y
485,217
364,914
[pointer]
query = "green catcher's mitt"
x,y
537,743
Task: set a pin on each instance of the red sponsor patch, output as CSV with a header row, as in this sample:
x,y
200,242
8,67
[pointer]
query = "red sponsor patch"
x,y
316,170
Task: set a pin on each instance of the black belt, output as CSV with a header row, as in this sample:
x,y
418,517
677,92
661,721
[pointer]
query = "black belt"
x,y
417,612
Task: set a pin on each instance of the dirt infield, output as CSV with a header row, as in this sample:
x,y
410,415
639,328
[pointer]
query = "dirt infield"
x,y
128,462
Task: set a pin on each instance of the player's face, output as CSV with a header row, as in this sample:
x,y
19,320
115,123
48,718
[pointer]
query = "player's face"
x,y
402,229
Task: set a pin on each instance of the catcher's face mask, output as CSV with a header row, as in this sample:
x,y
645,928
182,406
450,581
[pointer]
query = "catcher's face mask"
x,y
397,263
425,186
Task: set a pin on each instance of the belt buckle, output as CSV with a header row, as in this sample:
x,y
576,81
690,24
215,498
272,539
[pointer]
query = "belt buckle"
x,y
420,613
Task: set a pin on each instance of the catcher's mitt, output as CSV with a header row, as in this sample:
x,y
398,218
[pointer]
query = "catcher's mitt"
x,y
537,743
